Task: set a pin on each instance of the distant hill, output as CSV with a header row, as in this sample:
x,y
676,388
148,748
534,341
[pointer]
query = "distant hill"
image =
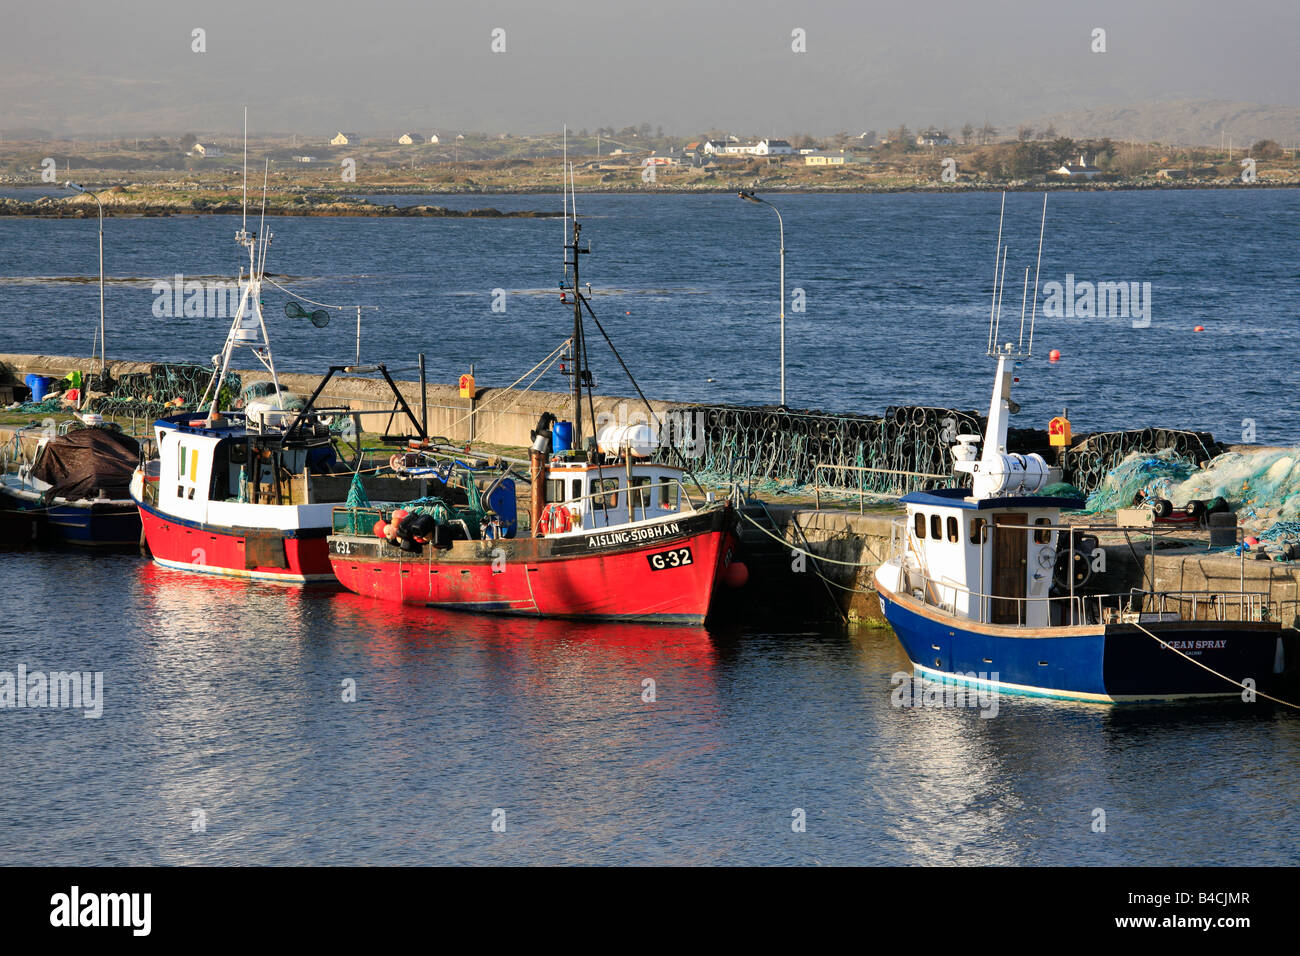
x,y
1179,122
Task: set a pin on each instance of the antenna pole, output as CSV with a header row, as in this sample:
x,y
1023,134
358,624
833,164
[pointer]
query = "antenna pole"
x,y
997,327
245,226
1033,314
577,342
1024,297
997,253
564,186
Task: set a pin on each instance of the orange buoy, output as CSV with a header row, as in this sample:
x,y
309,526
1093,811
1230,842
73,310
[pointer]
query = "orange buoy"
x,y
399,516
1054,355
378,529
1199,328
736,575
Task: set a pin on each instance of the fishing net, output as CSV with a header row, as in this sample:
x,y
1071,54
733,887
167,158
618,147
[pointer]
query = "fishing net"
x,y
357,497
1265,482
256,390
166,388
1061,489
1139,476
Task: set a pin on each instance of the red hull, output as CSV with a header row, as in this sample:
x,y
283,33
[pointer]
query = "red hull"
x,y
265,554
528,576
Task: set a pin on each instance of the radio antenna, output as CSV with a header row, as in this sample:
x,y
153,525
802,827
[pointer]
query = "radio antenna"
x,y
1034,311
997,253
245,169
998,325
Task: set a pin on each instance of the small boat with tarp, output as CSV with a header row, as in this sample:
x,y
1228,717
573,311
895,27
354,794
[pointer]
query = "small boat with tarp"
x,y
68,484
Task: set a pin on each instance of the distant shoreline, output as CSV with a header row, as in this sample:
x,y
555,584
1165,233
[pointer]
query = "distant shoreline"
x,y
296,205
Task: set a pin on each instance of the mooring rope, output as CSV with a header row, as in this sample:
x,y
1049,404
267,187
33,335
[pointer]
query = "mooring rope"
x,y
795,547
1205,667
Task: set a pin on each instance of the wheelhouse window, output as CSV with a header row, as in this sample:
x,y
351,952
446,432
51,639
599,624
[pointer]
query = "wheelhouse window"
x,y
978,530
936,527
919,526
954,530
668,496
604,493
555,489
638,495
1044,536
577,489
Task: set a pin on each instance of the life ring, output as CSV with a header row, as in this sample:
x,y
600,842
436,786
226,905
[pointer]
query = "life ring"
x,y
397,463
556,519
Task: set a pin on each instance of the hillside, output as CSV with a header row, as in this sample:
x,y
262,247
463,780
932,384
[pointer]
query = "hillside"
x,y
1180,122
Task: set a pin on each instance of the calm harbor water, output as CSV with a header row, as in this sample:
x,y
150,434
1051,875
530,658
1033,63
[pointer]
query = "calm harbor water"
x,y
896,289
227,698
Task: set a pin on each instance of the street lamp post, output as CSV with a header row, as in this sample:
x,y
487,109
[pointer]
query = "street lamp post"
x,y
750,197
72,185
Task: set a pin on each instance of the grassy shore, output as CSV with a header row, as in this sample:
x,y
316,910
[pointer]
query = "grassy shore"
x,y
159,179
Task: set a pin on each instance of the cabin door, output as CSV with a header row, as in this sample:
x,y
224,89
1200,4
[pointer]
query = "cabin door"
x,y
1010,546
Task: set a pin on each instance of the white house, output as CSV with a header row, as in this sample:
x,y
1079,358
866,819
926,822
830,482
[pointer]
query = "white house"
x,y
830,157
346,139
406,139
933,137
773,147
433,138
1079,170
207,152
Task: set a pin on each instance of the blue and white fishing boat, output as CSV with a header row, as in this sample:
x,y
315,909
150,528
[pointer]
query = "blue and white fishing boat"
x,y
974,589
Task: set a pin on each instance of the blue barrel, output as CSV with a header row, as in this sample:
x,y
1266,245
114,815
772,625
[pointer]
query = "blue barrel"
x,y
39,384
561,436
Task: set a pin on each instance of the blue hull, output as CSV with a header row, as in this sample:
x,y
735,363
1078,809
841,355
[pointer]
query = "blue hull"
x,y
1102,663
84,524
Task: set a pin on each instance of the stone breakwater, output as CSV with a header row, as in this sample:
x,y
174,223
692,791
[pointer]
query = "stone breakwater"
x,y
118,205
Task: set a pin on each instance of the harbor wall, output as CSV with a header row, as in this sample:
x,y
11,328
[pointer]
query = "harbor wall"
x,y
495,416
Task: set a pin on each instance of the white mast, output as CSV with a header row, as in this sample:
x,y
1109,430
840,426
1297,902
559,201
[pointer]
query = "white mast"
x,y
248,328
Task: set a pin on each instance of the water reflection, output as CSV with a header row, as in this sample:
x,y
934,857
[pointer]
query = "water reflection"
x,y
228,697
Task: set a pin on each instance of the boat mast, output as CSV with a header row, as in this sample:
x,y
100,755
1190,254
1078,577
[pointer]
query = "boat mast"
x,y
249,325
579,348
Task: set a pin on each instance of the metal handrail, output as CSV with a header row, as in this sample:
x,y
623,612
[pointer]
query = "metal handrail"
x,y
1251,605
861,491
683,495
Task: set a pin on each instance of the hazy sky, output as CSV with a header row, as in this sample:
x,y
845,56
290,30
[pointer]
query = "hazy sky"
x,y
126,66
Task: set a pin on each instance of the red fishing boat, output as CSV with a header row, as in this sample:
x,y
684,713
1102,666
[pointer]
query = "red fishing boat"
x,y
615,541
250,493
611,535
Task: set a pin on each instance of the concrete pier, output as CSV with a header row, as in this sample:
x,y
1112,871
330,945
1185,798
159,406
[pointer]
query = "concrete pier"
x,y
495,416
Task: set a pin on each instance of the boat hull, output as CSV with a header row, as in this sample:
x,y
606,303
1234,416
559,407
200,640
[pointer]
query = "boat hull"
x,y
666,572
297,556
1105,663
90,524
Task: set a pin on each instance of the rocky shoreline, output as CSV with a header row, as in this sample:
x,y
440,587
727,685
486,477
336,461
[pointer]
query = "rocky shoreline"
x,y
85,208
